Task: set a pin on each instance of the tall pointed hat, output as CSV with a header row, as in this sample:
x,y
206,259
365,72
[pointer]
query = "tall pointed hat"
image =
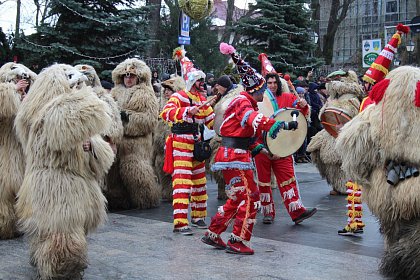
x,y
266,66
251,79
379,68
188,71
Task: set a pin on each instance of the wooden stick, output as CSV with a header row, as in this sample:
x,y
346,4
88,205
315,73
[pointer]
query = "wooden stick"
x,y
211,99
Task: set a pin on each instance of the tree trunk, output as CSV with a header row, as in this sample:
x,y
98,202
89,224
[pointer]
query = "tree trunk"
x,y
229,21
154,25
316,16
18,4
337,15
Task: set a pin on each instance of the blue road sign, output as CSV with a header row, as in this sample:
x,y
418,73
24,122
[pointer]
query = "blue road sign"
x,y
184,40
185,25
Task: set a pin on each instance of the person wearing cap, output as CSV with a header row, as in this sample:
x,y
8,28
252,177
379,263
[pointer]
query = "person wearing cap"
x,y
241,122
134,182
282,167
184,112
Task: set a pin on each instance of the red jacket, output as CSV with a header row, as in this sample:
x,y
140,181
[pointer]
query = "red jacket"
x,y
241,119
290,100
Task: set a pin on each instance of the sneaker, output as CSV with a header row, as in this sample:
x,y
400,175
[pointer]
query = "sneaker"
x,y
268,220
216,243
307,214
183,231
345,232
199,224
238,247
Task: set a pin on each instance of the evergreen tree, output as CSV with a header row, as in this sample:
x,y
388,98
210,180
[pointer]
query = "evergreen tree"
x,y
281,30
98,32
4,48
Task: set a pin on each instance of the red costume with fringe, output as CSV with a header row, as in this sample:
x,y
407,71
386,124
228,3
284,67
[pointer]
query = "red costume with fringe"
x,y
188,175
242,120
284,171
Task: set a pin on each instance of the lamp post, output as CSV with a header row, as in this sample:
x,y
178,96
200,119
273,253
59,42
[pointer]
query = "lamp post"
x,y
410,49
397,62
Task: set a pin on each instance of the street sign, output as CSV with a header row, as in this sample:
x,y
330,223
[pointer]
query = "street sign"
x,y
184,40
184,25
370,51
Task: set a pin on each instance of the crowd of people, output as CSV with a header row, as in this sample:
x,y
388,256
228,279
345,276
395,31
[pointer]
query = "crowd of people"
x,y
79,142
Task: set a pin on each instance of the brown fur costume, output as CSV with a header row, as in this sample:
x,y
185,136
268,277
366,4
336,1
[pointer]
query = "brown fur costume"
x,y
137,183
344,94
389,131
60,200
12,160
161,132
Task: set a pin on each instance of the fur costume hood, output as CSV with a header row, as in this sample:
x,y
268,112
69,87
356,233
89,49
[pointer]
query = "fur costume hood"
x,y
176,83
11,71
132,66
346,85
90,73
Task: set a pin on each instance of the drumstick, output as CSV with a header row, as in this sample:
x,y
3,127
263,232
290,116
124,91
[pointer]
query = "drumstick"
x,y
211,99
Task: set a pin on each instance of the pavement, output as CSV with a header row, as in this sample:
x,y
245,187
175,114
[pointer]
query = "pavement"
x,y
140,244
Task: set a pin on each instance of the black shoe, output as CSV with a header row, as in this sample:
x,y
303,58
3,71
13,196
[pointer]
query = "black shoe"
x,y
345,232
199,224
216,243
307,214
268,220
183,231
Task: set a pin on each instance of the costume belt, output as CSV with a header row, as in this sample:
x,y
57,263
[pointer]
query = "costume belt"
x,y
185,128
236,142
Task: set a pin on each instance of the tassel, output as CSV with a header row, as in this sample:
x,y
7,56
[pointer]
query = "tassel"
x,y
403,28
226,48
378,90
417,96
178,53
168,166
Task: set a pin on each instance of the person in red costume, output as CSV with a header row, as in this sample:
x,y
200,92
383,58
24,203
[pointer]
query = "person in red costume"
x,y
241,122
283,168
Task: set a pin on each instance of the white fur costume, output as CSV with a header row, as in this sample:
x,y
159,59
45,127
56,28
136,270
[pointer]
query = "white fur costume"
x,y
134,182
344,94
12,161
389,131
60,200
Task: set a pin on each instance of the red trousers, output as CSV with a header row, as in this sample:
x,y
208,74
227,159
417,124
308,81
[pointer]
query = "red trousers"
x,y
285,174
241,205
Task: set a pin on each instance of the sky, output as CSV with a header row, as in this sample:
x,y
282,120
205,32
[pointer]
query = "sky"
x,y
8,14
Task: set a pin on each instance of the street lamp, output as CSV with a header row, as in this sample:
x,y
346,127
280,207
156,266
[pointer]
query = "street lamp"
x,y
410,49
397,62
314,37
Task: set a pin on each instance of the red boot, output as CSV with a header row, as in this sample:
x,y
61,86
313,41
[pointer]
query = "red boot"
x,y
238,247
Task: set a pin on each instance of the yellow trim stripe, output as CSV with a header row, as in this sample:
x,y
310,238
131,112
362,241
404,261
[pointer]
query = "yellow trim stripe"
x,y
199,198
198,214
181,201
201,181
182,182
181,145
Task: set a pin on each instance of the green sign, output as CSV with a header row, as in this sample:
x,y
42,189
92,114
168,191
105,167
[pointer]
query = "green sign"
x,y
370,58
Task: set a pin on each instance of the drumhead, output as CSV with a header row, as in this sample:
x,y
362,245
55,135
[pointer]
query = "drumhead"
x,y
287,142
333,119
269,104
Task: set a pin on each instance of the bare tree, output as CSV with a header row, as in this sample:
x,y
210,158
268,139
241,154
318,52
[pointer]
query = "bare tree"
x,y
41,11
154,24
338,13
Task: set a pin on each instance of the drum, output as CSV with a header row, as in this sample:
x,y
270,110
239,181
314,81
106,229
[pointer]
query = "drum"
x,y
287,142
333,120
269,104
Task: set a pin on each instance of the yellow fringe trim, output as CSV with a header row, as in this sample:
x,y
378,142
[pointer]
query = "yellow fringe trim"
x,y
201,181
199,214
180,221
397,36
380,68
182,163
353,214
351,184
193,97
288,182
369,79
199,198
181,201
180,181
181,145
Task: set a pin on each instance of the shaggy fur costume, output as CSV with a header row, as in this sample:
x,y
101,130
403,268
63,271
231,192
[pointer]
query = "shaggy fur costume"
x,y
60,200
12,161
159,138
389,131
344,94
137,185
